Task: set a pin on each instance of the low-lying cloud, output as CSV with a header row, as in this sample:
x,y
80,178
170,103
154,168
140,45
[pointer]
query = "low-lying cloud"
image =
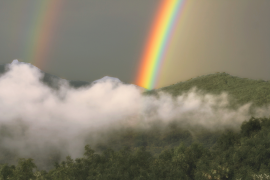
x,y
36,119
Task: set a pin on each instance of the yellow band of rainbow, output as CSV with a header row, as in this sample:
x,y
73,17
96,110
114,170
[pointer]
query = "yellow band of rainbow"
x,y
167,16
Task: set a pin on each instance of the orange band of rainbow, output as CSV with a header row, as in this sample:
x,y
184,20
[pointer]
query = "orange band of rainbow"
x,y
161,31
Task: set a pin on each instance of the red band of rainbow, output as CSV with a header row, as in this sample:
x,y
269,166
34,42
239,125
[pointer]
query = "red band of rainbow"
x,y
168,13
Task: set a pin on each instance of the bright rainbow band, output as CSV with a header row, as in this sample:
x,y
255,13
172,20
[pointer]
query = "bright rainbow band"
x,y
168,14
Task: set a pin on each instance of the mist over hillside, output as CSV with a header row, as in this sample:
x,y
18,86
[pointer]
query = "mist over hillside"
x,y
241,90
47,118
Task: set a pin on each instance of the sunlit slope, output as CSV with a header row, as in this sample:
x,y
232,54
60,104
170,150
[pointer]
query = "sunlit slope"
x,y
241,90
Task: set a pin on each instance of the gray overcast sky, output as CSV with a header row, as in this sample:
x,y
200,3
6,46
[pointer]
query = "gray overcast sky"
x,y
96,38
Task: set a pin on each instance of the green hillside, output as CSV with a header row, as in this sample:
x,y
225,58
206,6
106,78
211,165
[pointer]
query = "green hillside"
x,y
241,90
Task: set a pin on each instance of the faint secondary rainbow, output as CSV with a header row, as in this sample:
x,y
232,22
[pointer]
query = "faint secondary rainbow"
x,y
41,33
167,17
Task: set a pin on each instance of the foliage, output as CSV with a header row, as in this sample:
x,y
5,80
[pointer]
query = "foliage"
x,y
6,171
24,169
253,125
235,155
241,90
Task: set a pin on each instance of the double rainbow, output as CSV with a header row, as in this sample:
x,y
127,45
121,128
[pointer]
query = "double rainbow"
x,y
168,14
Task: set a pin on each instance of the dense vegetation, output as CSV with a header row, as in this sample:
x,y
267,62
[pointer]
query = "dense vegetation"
x,y
236,155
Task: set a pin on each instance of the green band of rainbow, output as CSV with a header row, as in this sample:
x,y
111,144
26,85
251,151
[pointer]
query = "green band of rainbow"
x,y
168,15
41,33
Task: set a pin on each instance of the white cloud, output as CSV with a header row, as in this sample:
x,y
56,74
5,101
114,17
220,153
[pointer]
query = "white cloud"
x,y
38,118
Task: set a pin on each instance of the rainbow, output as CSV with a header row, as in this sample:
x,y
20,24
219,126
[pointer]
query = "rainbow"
x,y
41,33
167,16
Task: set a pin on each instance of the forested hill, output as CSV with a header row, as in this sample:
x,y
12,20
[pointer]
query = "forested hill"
x,y
237,156
241,90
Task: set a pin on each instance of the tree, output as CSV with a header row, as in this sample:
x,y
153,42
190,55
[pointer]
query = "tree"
x,y
6,171
227,140
24,169
186,158
251,126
